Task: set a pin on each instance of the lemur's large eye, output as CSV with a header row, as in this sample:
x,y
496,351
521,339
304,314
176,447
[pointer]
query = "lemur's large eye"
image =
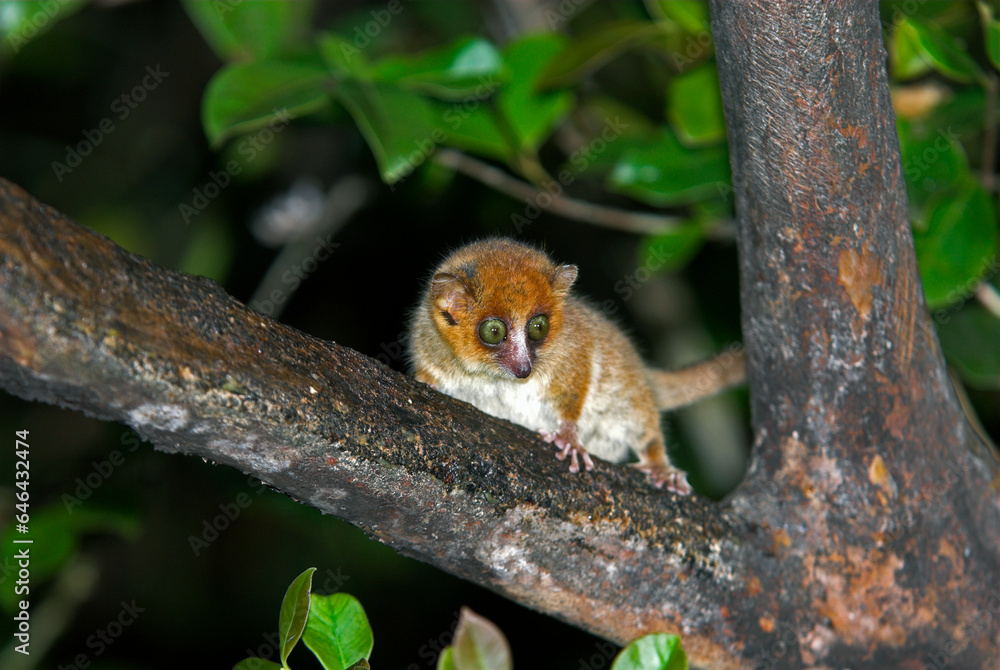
x,y
492,331
538,327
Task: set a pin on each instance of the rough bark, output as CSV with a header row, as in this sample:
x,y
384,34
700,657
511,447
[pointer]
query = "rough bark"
x,y
881,522
867,531
87,325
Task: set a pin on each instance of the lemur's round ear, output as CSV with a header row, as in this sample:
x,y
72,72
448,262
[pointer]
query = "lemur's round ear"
x,y
450,294
563,278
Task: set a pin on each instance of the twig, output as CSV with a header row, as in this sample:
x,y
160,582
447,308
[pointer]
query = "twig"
x,y
989,297
343,201
990,138
570,208
991,85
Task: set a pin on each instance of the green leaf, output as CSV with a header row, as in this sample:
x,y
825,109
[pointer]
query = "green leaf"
x,y
403,127
958,245
664,172
933,162
256,664
906,57
244,97
960,114
398,125
479,644
612,136
251,30
695,106
294,613
658,651
916,47
338,632
446,661
342,57
969,337
595,49
668,251
453,72
991,33
532,114
691,16
21,22
470,126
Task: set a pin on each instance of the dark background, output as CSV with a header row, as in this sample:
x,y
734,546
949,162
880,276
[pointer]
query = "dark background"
x,y
209,610
129,539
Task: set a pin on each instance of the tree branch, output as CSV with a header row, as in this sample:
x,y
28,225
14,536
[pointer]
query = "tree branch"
x,y
87,325
867,530
571,208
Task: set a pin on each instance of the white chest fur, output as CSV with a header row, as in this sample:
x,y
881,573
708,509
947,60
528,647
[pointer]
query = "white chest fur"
x,y
520,401
605,427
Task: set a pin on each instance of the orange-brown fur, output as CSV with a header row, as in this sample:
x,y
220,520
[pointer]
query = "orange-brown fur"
x,y
583,386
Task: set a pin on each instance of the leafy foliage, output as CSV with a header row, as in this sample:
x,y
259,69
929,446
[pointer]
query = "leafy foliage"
x,y
622,98
521,104
955,218
514,104
336,630
480,645
652,652
21,22
334,627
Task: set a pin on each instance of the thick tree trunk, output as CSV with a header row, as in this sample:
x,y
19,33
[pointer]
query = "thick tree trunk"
x,y
867,530
881,522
